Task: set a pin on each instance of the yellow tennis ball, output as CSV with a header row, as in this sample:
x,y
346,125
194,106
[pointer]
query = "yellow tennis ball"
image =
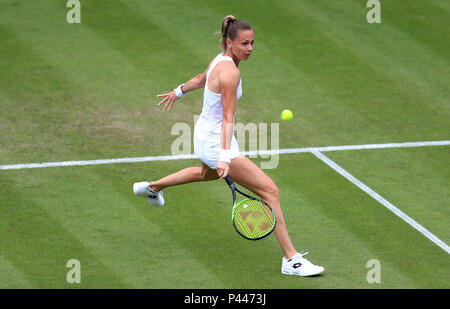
x,y
286,115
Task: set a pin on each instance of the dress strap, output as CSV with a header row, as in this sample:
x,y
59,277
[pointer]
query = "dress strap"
x,y
220,57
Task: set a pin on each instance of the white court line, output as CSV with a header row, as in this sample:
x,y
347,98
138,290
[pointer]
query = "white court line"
x,y
317,151
95,162
250,153
381,200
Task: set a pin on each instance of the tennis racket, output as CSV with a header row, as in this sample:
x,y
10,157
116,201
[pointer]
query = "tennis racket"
x,y
252,218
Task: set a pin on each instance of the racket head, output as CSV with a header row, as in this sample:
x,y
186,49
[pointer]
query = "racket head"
x,y
253,218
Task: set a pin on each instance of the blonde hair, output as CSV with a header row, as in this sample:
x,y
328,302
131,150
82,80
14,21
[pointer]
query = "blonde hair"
x,y
230,27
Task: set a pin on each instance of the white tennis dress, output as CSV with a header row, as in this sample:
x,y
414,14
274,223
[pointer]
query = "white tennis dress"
x,y
207,131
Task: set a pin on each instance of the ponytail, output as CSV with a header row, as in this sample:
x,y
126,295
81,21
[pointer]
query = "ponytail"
x,y
230,27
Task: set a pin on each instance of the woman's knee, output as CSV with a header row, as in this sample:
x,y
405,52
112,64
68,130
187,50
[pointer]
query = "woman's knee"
x,y
273,190
270,190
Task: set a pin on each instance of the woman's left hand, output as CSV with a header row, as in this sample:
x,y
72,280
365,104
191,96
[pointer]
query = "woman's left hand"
x,y
169,98
222,169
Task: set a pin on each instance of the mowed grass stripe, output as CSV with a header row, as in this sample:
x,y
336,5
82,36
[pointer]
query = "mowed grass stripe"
x,y
36,98
194,36
373,95
426,21
112,232
353,212
91,74
41,92
195,215
384,202
165,60
12,277
415,180
388,47
38,125
38,245
108,128
149,253
333,226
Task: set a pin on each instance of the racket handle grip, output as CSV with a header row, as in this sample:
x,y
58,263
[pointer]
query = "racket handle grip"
x,y
229,181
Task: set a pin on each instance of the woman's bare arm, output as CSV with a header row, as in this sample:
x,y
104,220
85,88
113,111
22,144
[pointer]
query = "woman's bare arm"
x,y
229,81
194,83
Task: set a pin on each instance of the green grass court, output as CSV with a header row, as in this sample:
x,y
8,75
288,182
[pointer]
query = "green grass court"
x,y
88,91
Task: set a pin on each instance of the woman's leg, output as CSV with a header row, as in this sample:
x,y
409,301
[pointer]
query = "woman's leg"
x,y
187,175
249,175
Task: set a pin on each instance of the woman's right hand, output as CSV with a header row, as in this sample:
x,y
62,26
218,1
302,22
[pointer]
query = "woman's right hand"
x,y
169,98
222,169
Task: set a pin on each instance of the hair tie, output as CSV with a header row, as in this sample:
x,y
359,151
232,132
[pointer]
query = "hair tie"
x,y
229,22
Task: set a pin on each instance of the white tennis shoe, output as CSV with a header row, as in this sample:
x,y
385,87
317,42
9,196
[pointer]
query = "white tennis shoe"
x,y
153,197
298,265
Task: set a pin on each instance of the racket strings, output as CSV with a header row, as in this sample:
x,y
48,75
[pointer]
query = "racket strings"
x,y
253,218
256,224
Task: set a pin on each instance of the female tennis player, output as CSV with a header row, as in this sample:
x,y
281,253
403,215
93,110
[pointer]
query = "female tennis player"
x,y
216,145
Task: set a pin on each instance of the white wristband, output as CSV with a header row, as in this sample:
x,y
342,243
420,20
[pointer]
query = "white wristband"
x,y
225,155
178,92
